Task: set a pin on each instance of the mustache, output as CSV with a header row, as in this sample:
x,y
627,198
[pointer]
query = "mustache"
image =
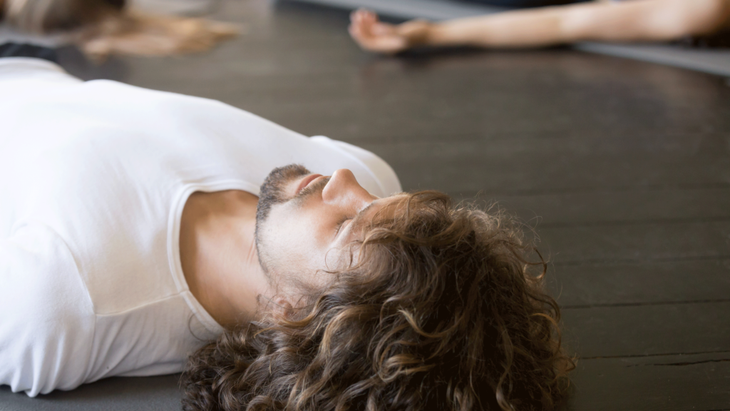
x,y
312,188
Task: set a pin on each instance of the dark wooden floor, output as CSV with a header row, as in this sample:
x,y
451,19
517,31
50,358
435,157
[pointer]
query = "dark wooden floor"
x,y
622,167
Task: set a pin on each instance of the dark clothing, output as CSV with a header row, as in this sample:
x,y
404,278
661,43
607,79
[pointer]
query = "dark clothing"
x,y
28,50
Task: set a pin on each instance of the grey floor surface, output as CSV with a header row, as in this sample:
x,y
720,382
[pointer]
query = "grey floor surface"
x,y
622,167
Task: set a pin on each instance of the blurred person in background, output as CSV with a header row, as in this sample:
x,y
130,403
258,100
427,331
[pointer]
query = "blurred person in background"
x,y
103,27
702,22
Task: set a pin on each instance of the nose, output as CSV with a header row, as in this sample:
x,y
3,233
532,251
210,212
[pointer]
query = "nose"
x,y
344,190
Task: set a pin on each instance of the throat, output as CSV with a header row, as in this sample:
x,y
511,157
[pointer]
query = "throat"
x,y
218,254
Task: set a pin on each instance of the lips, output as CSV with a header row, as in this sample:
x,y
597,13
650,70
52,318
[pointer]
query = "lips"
x,y
306,181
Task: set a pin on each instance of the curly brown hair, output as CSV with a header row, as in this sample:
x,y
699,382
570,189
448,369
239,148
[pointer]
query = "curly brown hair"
x,y
438,310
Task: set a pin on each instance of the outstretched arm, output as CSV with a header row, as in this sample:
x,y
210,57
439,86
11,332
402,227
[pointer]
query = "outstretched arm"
x,y
630,21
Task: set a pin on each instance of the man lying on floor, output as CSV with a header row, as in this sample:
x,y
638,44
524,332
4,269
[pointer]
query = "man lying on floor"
x,y
135,237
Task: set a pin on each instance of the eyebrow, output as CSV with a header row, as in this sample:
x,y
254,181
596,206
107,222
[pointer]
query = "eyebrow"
x,y
357,218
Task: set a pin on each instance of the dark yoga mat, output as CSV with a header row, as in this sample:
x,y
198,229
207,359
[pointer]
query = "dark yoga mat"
x,y
714,61
159,393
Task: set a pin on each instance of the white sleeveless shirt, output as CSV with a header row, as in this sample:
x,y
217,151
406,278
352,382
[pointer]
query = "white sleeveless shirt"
x,y
93,180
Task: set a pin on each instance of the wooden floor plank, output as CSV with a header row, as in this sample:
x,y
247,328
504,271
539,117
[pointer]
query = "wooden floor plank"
x,y
470,166
640,283
636,242
620,207
437,117
648,330
677,383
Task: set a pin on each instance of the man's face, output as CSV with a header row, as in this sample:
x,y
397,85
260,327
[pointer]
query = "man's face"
x,y
305,221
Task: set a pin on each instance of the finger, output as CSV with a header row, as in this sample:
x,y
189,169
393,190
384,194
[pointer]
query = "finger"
x,y
360,14
382,44
370,17
359,30
363,41
388,44
381,29
358,27
356,33
360,35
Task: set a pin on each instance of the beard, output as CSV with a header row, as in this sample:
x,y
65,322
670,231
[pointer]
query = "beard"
x,y
272,190
272,193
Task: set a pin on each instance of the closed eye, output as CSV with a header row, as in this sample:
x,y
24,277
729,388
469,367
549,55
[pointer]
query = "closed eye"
x,y
340,224
356,218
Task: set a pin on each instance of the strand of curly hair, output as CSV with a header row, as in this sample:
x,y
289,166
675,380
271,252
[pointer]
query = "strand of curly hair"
x,y
438,311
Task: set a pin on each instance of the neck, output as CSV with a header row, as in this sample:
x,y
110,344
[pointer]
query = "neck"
x,y
218,255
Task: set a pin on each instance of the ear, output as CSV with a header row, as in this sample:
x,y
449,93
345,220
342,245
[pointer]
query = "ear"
x,y
281,307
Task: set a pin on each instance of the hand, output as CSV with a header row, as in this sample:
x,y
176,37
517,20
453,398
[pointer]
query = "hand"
x,y
374,35
140,34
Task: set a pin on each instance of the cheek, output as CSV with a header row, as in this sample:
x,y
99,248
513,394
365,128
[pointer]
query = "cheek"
x,y
294,240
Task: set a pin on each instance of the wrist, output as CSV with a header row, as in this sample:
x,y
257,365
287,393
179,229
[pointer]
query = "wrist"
x,y
416,32
431,35
439,34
